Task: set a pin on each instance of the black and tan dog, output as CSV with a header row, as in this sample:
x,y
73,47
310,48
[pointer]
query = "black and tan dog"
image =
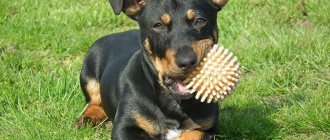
x,y
135,78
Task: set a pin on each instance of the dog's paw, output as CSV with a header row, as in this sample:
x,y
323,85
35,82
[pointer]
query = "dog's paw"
x,y
93,115
193,135
173,134
87,120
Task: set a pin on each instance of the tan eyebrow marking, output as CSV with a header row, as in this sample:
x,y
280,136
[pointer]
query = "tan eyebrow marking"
x,y
191,14
166,18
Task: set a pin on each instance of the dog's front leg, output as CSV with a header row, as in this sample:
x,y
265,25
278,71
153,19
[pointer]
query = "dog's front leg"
x,y
194,135
126,127
141,121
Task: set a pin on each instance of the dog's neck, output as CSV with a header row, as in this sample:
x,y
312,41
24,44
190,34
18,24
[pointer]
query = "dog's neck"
x,y
148,69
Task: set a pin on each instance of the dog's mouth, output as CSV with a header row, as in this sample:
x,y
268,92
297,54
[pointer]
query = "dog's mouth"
x,y
177,87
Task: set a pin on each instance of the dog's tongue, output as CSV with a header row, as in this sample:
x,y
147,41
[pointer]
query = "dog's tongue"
x,y
181,86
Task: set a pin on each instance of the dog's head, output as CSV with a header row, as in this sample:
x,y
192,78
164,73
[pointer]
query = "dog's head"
x,y
175,34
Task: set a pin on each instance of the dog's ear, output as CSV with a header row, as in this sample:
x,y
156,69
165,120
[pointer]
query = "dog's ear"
x,y
131,8
218,4
117,6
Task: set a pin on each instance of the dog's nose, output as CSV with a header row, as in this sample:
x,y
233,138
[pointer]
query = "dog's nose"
x,y
186,58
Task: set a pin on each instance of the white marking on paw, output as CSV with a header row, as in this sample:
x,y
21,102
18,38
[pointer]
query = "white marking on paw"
x,y
173,134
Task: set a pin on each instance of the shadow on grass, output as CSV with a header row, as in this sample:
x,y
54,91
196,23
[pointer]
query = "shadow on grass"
x,y
250,122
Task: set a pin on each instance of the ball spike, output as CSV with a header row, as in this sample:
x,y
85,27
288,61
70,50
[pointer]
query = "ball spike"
x,y
215,76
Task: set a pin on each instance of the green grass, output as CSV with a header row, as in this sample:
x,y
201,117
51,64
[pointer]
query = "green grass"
x,y
284,48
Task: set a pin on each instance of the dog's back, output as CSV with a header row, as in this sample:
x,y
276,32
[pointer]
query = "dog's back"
x,y
117,49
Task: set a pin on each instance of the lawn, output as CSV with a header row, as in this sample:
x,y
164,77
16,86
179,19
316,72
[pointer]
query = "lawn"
x,y
284,47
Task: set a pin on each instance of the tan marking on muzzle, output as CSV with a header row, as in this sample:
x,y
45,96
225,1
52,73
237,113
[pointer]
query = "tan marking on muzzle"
x,y
167,66
202,47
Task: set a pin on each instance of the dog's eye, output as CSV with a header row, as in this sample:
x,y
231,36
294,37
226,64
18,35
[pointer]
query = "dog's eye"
x,y
200,22
158,27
